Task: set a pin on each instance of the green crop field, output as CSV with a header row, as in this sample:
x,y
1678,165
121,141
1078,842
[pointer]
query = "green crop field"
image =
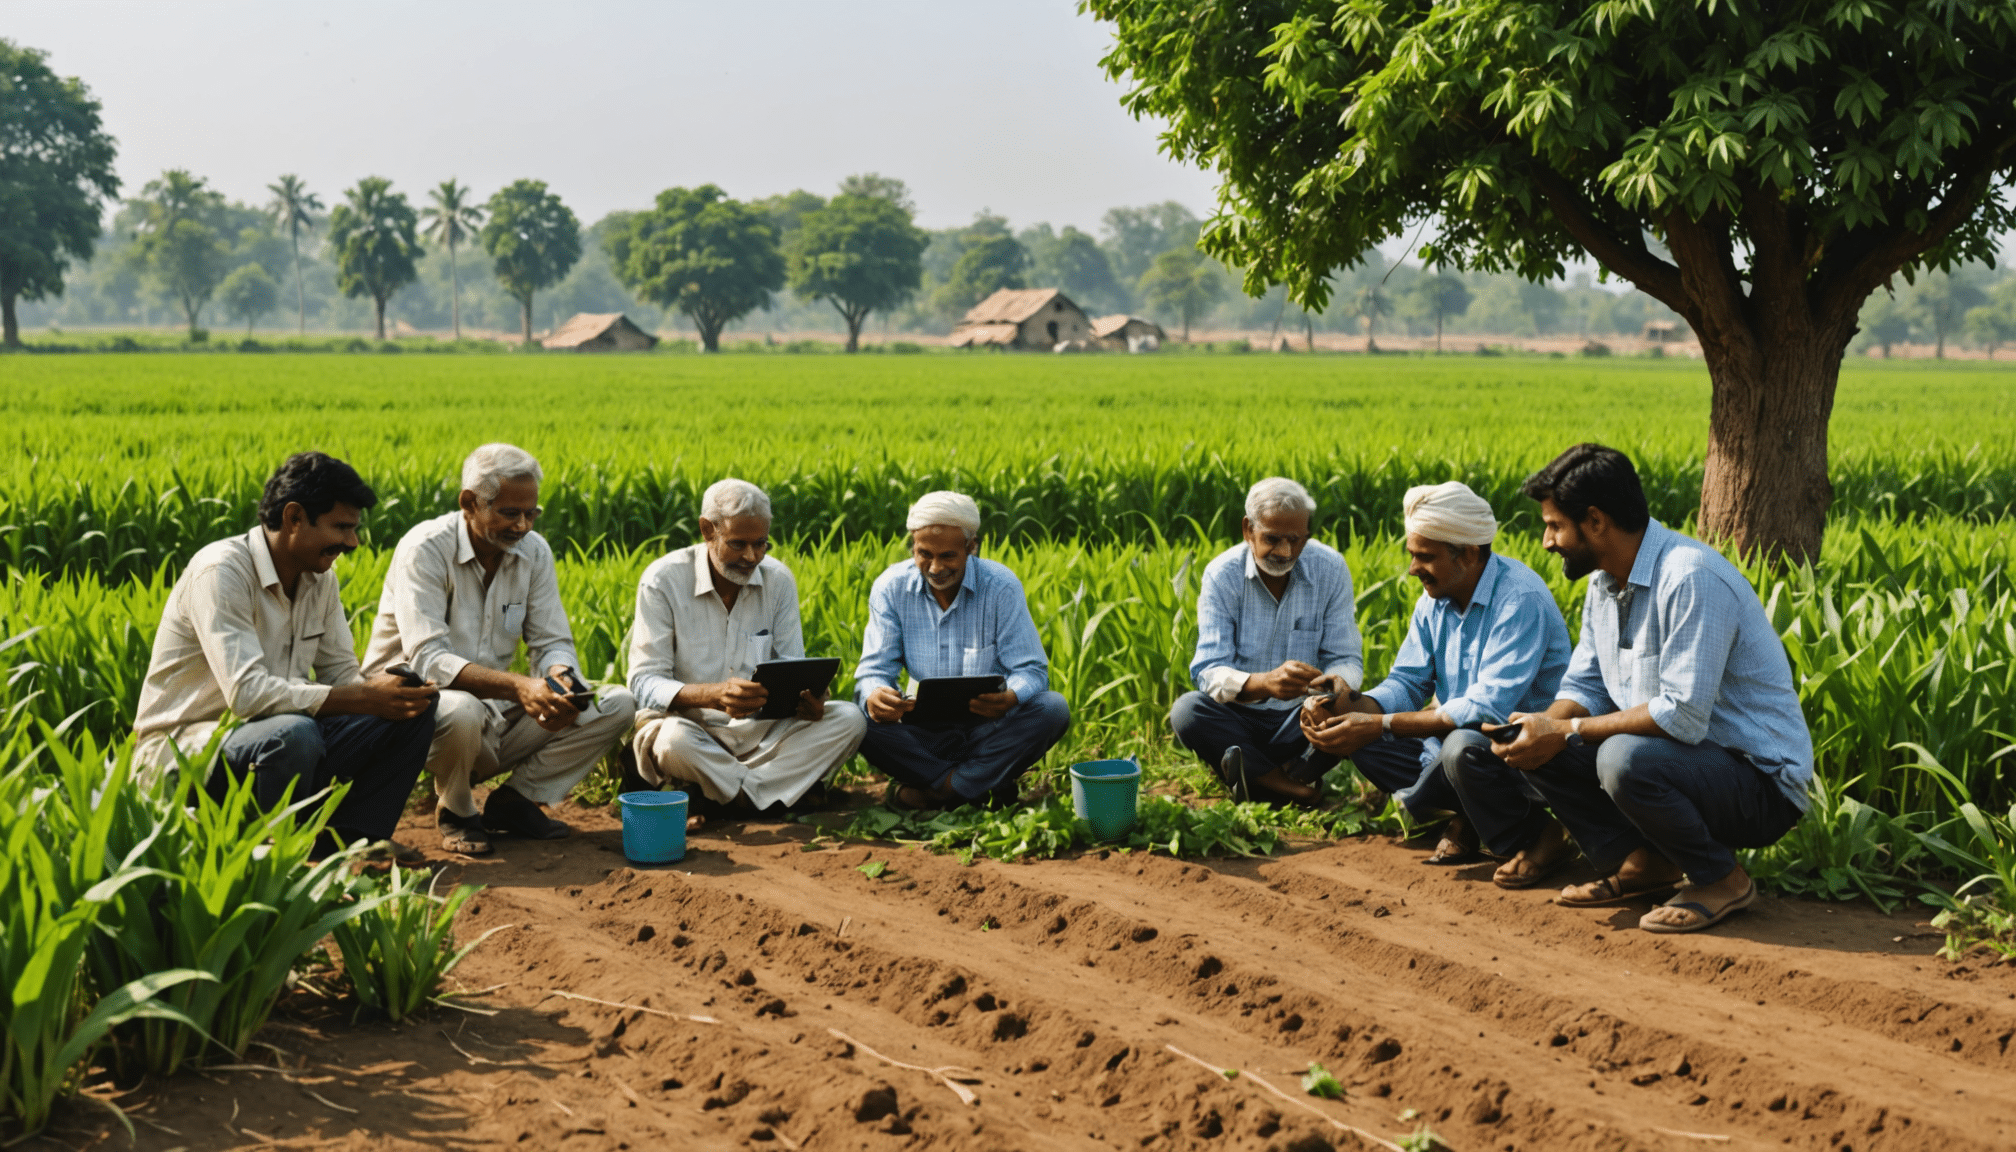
x,y
1106,482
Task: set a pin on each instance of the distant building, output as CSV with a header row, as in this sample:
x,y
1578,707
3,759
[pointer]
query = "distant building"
x,y
1040,318
599,332
1128,333
1665,331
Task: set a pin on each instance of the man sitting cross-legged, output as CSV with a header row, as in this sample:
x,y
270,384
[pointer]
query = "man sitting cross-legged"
x,y
947,612
707,615
1678,735
1486,640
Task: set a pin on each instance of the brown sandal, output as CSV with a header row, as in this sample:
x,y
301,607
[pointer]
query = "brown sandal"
x,y
1547,862
1458,845
1611,892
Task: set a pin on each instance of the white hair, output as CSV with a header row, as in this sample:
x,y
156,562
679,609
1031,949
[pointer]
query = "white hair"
x,y
946,508
488,467
1276,495
727,499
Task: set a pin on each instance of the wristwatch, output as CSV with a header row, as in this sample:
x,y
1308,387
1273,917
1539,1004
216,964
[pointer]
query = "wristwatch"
x,y
1575,733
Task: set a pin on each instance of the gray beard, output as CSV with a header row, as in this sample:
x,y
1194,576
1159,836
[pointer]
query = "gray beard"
x,y
739,579
1274,568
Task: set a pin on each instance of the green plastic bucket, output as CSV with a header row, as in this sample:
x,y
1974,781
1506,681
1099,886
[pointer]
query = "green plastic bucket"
x,y
1106,794
654,827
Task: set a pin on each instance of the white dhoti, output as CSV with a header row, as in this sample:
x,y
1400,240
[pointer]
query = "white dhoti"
x,y
769,761
477,739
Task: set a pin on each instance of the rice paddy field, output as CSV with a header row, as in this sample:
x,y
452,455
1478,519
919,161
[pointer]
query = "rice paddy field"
x,y
1107,483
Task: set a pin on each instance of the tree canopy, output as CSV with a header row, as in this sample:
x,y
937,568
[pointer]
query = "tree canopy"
x,y
712,258
1760,171
295,209
178,244
450,218
860,252
533,240
248,293
989,264
55,176
1181,281
374,234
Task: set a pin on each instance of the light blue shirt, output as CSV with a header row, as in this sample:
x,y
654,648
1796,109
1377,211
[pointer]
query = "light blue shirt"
x,y
1687,637
986,632
1505,653
1242,629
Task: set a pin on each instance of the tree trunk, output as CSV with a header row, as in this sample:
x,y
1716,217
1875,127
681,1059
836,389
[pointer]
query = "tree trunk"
x,y
710,335
1309,331
525,316
854,318
1938,342
379,302
455,296
1765,487
11,326
1438,329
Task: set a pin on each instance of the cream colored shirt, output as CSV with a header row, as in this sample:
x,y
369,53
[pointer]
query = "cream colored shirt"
x,y
231,639
683,634
436,614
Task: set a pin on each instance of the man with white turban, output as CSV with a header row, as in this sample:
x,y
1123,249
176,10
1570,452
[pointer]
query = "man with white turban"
x,y
707,615
947,612
1486,640
1276,622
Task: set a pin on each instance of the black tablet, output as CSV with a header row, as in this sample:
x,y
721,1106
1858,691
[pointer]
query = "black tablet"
x,y
785,679
942,700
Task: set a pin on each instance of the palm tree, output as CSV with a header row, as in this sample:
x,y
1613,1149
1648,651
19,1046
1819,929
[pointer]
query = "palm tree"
x,y
451,219
294,208
374,234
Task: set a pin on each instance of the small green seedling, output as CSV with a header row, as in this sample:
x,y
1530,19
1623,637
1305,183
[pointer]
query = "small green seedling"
x,y
873,869
1319,1082
1422,1139
1229,1073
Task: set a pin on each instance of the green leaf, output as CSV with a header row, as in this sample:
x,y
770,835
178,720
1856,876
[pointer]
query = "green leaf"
x,y
1319,1082
873,869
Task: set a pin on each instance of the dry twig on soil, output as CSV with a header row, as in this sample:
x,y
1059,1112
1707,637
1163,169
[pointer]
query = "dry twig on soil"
x,y
965,1095
1256,1078
1692,1135
632,1007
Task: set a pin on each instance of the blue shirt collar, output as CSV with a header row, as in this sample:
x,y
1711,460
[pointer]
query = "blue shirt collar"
x,y
1486,585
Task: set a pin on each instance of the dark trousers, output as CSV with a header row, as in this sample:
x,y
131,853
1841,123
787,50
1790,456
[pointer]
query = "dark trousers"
x,y
980,759
1272,738
1498,800
1691,803
381,760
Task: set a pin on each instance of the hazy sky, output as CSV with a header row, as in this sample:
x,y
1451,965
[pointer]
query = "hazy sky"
x,y
975,105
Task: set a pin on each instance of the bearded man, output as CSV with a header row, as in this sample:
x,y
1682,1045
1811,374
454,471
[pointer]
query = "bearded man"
x,y
463,589
707,615
1678,735
946,612
1276,623
1486,640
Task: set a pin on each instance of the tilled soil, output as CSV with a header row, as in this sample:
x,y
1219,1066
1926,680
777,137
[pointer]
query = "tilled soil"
x,y
751,986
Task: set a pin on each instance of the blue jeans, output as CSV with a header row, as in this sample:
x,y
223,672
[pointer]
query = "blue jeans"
x,y
381,760
1498,801
980,759
1272,738
1691,803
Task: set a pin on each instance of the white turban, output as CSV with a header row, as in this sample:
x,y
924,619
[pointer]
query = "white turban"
x,y
1450,512
948,508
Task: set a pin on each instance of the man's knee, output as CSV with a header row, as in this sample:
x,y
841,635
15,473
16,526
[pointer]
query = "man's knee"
x,y
615,711
1626,764
458,716
290,744
1050,715
1465,751
1188,711
845,717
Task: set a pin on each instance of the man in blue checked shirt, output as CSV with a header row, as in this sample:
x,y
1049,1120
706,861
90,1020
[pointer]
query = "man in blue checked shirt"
x,y
947,612
1486,640
1678,735
1276,622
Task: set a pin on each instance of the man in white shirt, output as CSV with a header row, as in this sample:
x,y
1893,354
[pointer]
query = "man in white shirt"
x,y
707,615
248,622
462,591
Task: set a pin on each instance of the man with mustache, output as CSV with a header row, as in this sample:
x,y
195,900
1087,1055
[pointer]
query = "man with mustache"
x,y
707,615
1276,622
463,589
247,623
947,612
1486,640
1678,735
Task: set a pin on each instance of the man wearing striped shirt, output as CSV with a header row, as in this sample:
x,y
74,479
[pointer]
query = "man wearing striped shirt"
x,y
947,612
1276,622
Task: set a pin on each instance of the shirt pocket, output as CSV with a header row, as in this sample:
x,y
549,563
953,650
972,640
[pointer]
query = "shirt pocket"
x,y
976,661
306,645
1304,644
1644,667
757,649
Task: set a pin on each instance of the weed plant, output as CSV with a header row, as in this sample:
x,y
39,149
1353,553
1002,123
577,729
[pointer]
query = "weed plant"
x,y
400,948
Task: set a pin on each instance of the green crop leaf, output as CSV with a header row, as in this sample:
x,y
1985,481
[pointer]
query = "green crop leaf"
x,y
873,869
1319,1082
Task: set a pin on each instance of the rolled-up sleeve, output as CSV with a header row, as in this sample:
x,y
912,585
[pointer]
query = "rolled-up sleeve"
x,y
1019,647
881,645
549,638
418,587
1699,628
1412,678
229,636
1343,651
654,649
1515,643
1217,624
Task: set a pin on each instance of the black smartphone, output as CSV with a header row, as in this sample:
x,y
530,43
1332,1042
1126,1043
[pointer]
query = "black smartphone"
x,y
574,688
1505,734
407,677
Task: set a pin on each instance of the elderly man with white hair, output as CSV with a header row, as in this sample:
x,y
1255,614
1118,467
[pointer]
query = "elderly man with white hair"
x,y
464,588
707,615
947,612
1276,622
1486,640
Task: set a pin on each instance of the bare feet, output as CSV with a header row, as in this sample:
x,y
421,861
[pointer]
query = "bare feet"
x,y
1547,852
1644,871
1713,902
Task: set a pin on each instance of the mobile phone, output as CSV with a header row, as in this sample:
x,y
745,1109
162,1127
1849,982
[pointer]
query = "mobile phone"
x,y
577,692
1505,734
407,676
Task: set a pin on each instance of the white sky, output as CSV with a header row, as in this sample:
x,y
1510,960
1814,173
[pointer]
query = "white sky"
x,y
1000,106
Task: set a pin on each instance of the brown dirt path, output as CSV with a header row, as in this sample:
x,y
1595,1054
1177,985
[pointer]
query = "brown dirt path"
x,y
1502,1021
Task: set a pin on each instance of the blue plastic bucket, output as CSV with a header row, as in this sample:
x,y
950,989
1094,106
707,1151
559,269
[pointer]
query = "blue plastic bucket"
x,y
1106,794
654,827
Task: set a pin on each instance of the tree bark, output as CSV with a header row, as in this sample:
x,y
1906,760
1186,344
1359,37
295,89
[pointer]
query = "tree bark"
x,y
12,327
455,296
525,316
379,303
710,335
1765,488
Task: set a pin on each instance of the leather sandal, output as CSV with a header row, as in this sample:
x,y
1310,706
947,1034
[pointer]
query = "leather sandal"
x,y
1610,891
1543,865
1707,918
1458,845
